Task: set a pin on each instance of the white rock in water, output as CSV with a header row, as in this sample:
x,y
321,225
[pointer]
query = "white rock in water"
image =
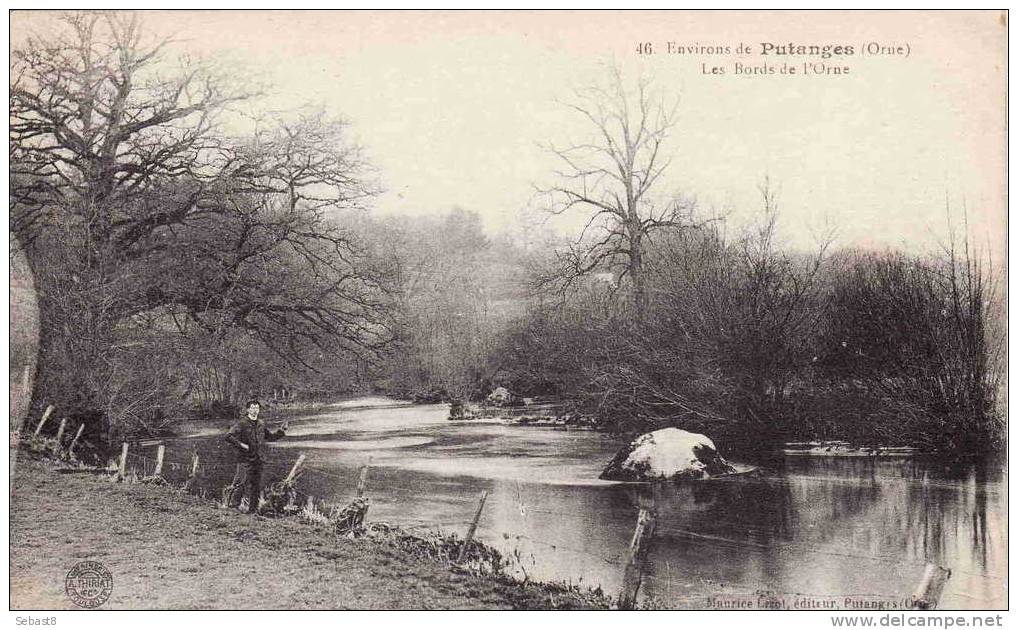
x,y
667,454
501,396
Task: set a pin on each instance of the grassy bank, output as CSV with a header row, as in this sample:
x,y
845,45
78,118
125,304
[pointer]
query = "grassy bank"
x,y
170,550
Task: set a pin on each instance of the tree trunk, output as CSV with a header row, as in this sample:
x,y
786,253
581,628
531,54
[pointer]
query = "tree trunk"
x,y
73,369
639,282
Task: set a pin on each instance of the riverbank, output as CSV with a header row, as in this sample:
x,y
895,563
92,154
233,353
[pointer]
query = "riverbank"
x,y
170,550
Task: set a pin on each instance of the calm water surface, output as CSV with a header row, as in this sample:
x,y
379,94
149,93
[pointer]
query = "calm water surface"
x,y
806,532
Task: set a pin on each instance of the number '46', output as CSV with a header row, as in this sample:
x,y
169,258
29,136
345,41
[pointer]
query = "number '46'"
x,y
644,48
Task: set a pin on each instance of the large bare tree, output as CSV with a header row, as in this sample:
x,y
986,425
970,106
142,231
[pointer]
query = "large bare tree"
x,y
136,206
98,118
616,179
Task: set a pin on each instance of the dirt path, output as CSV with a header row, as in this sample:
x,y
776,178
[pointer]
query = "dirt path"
x,y
168,550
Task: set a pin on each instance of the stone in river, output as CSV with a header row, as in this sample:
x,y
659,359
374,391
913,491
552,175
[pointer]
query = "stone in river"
x,y
500,397
667,454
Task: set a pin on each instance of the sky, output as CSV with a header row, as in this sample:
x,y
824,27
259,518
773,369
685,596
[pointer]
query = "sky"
x,y
453,108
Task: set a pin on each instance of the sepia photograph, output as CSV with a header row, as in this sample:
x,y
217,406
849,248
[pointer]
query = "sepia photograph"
x,y
509,310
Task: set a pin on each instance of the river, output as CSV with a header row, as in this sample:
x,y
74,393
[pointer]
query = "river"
x,y
803,533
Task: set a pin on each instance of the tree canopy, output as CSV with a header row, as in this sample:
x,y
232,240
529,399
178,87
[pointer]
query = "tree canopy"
x,y
125,181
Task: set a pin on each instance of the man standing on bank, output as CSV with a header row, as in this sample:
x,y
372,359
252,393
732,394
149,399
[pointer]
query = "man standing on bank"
x,y
249,437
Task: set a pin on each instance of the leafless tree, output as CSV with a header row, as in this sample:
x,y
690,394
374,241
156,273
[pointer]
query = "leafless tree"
x,y
137,207
98,118
614,178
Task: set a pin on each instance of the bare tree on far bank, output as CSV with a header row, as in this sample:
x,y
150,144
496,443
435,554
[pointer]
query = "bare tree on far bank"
x,y
754,343
614,179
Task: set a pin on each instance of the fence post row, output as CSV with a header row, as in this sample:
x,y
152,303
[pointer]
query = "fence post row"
x,y
926,595
473,526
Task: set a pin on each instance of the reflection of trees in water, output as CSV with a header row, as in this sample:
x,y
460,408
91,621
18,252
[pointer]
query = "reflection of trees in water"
x,y
927,510
941,513
729,515
768,508
888,515
954,516
979,536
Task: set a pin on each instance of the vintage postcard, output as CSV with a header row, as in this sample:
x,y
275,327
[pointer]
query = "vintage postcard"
x,y
647,310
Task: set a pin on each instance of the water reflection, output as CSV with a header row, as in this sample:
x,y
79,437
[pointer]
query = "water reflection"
x,y
798,530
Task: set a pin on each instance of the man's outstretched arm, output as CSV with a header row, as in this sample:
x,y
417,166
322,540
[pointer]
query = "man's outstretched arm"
x,y
272,436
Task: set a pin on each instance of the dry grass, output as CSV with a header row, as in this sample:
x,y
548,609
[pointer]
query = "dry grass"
x,y
170,550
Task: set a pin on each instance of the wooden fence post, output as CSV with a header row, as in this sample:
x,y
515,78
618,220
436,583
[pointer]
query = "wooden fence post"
x,y
74,442
122,471
45,416
60,433
931,585
633,575
293,471
159,461
362,482
473,526
191,480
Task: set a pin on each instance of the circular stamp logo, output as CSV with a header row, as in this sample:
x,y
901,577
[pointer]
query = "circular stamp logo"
x,y
89,584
